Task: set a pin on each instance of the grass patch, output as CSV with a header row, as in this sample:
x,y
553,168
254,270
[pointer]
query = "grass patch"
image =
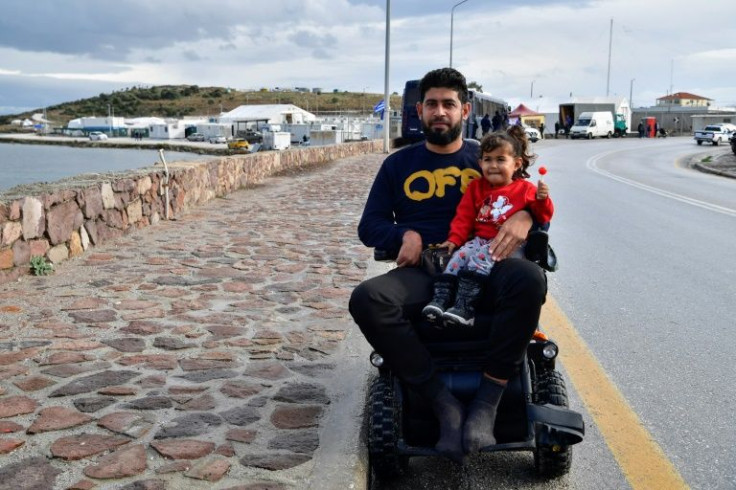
x,y
40,267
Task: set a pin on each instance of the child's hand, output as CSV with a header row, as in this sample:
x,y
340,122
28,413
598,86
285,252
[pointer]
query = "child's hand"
x,y
542,191
448,245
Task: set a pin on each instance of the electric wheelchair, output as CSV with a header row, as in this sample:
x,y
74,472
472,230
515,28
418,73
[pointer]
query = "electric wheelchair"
x,y
533,414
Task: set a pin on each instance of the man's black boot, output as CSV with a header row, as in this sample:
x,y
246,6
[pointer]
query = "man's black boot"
x,y
469,288
444,295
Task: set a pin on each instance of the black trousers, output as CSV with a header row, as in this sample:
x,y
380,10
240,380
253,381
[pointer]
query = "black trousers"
x,y
385,306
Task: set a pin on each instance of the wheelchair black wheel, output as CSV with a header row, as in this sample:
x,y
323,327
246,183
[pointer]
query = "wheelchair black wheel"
x,y
384,459
551,461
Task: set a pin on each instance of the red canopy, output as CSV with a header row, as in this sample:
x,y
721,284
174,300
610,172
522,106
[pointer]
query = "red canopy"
x,y
522,111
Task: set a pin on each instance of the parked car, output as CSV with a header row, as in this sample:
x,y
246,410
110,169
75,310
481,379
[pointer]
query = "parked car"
x,y
715,134
532,133
218,139
251,136
97,136
239,144
196,137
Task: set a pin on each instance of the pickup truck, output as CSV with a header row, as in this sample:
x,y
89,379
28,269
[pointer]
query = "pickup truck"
x,y
715,134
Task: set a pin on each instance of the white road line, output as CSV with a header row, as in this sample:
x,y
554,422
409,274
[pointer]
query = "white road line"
x,y
592,164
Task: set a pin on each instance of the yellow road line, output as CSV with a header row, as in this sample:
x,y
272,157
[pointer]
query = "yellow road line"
x,y
641,459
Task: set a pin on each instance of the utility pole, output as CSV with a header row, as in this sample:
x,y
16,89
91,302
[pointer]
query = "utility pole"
x,y
386,95
610,44
672,71
452,25
631,94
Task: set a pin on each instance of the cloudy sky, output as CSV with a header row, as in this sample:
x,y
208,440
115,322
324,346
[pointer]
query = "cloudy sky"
x,y
54,51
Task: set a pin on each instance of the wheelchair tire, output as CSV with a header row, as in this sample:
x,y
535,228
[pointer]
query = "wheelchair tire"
x,y
551,461
383,456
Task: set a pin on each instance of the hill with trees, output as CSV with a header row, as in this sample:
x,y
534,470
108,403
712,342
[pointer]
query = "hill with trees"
x,y
191,100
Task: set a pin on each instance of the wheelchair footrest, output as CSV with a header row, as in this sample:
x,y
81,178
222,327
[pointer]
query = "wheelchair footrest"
x,y
556,425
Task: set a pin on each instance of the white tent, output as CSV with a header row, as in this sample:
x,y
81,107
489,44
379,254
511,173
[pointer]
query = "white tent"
x,y
268,114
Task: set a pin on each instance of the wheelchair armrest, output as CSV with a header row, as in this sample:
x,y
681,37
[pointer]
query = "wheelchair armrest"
x,y
383,255
539,251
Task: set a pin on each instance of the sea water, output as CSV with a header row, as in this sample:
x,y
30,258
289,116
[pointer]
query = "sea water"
x,y
31,164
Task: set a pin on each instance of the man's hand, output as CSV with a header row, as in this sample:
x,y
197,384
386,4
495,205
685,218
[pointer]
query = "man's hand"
x,y
411,249
511,234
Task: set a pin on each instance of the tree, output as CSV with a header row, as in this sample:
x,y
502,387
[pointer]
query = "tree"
x,y
476,86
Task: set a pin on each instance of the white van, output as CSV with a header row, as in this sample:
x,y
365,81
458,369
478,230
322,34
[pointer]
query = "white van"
x,y
593,124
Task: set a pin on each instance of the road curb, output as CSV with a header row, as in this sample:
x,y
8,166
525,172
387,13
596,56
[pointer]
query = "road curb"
x,y
711,170
723,163
342,460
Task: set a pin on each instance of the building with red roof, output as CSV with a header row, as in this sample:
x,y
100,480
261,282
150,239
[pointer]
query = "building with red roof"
x,y
683,99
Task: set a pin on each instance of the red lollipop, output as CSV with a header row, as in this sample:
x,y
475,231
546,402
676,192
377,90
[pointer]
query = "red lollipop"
x,y
542,170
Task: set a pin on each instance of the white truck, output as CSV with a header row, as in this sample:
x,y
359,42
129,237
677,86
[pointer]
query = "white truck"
x,y
715,134
593,124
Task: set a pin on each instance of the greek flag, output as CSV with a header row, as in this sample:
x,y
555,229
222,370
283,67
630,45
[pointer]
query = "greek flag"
x,y
380,106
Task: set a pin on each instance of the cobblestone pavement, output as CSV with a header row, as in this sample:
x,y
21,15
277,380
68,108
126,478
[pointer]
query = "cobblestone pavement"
x,y
199,353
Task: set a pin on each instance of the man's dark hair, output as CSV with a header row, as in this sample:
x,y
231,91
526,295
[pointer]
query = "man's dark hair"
x,y
444,78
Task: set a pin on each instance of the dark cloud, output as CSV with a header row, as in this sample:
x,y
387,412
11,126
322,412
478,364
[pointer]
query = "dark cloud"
x,y
417,8
109,30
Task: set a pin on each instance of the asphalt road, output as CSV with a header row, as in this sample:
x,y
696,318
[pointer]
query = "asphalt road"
x,y
646,282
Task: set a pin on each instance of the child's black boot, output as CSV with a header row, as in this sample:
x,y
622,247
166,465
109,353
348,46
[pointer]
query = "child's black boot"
x,y
444,295
469,287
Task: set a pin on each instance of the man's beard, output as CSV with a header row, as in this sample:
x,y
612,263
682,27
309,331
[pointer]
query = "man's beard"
x,y
442,138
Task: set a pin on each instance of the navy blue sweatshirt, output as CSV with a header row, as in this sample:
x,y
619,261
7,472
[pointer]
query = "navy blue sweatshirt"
x,y
416,189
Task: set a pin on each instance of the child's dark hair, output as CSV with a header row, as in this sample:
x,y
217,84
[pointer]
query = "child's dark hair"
x,y
444,78
515,137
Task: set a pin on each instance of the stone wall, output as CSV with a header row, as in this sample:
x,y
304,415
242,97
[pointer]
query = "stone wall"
x,y
64,219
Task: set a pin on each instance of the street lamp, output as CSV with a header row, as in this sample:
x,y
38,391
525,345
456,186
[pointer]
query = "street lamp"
x,y
531,92
452,25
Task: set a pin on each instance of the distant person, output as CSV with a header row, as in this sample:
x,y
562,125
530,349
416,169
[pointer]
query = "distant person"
x,y
640,129
656,129
496,122
485,124
541,130
487,203
557,128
